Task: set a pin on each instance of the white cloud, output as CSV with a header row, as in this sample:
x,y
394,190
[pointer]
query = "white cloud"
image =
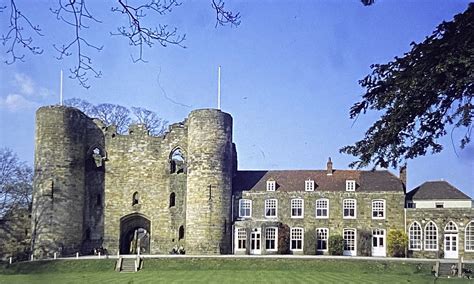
x,y
25,83
15,102
25,94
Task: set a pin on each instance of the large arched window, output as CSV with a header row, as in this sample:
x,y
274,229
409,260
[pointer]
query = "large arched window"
x,y
431,236
414,236
177,162
172,199
469,236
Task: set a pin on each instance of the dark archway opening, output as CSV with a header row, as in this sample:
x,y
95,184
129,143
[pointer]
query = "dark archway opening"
x,y
134,234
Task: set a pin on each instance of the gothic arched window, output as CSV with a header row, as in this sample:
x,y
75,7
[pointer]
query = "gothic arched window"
x,y
177,162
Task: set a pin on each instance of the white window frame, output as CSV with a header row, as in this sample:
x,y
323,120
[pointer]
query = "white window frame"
x,y
267,206
275,239
297,234
350,185
345,242
326,234
240,235
469,237
271,185
309,185
294,202
344,208
322,208
415,236
245,202
375,209
428,245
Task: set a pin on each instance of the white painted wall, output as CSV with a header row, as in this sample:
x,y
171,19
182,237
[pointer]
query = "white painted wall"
x,y
446,203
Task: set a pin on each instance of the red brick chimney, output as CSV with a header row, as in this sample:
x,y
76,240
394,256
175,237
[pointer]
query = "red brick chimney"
x,y
329,167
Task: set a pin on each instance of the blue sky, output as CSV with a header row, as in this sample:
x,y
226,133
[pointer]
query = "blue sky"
x,y
289,76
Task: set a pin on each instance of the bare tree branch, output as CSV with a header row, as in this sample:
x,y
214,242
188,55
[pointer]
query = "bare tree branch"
x,y
139,34
15,182
368,2
16,34
75,13
153,123
224,17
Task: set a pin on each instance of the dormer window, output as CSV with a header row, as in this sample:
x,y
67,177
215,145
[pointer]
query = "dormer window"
x,y
309,185
271,185
350,185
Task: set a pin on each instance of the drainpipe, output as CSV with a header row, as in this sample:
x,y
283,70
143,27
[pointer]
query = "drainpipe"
x,y
405,223
233,226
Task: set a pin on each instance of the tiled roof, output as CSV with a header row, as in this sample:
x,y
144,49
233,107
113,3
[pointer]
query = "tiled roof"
x,y
294,180
436,190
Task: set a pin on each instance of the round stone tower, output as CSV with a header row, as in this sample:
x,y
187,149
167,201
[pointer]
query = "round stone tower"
x,y
58,189
209,182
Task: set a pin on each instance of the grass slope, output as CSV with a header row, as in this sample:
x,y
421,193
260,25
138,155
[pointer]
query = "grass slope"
x,y
219,270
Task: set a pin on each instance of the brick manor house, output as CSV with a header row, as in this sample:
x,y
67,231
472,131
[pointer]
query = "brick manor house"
x,y
134,193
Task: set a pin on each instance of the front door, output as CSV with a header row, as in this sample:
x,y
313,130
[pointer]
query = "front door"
x,y
378,243
255,241
350,242
450,245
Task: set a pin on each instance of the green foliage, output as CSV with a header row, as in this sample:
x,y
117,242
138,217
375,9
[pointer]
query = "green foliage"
x,y
397,242
283,239
422,95
310,242
336,245
364,243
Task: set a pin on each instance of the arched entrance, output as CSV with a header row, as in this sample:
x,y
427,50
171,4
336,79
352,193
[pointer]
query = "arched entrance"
x,y
134,234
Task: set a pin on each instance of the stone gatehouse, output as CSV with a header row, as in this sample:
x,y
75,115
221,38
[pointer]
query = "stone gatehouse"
x,y
94,187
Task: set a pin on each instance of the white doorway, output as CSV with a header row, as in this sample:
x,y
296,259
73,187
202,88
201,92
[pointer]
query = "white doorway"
x,y
350,242
451,240
255,241
378,243
451,246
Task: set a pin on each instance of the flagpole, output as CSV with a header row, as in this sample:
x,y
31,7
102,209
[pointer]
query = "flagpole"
x,y
61,89
219,88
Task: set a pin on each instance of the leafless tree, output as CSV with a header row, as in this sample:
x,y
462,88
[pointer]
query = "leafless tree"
x,y
154,124
223,16
18,29
75,13
16,179
85,106
113,114
139,34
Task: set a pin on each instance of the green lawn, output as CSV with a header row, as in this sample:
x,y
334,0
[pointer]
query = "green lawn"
x,y
221,270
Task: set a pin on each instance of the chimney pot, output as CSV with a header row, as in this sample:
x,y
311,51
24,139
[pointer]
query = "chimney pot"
x,y
329,167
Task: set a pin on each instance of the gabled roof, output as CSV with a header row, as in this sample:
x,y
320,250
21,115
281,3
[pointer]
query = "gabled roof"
x,y
294,180
436,190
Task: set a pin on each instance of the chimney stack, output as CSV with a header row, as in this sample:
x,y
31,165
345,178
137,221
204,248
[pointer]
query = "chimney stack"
x,y
403,175
329,167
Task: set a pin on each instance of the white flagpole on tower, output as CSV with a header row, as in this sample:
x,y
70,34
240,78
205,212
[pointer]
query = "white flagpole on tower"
x,y
219,88
61,89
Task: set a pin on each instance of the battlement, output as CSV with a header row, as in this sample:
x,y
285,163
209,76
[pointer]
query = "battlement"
x,y
107,183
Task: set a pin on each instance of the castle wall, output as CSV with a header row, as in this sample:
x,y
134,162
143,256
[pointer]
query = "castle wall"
x,y
59,183
210,172
141,163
